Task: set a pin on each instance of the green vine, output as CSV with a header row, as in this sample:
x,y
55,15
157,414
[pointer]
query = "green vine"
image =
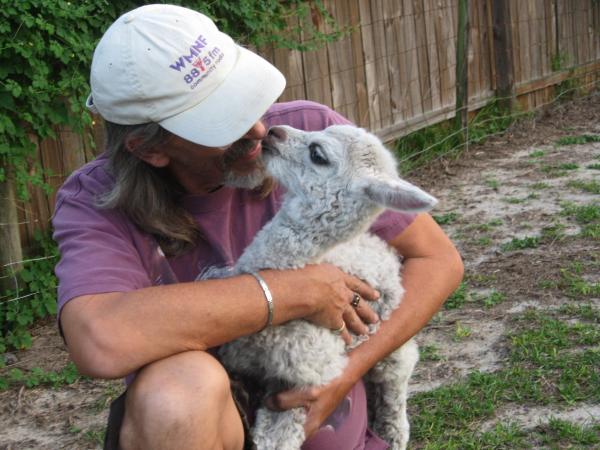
x,y
34,299
46,48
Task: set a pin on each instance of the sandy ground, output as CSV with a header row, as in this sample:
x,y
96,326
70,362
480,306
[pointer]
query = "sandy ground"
x,y
490,183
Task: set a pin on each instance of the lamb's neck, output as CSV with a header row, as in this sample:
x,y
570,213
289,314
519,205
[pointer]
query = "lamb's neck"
x,y
298,236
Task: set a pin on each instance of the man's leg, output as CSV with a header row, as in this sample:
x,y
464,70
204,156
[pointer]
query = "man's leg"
x,y
183,401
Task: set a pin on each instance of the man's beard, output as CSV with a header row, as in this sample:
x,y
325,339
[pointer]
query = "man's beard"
x,y
251,178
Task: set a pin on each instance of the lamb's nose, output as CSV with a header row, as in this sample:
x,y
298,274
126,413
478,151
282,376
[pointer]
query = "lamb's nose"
x,y
277,133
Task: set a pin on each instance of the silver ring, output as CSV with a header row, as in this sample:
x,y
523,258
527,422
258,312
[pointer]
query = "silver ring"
x,y
355,300
339,330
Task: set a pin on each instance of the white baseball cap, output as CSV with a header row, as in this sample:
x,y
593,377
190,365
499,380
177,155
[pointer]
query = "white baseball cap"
x,y
172,66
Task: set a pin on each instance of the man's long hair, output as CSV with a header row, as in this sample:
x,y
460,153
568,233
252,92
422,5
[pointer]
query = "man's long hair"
x,y
149,196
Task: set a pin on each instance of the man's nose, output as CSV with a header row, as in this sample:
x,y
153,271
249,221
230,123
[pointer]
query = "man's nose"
x,y
258,131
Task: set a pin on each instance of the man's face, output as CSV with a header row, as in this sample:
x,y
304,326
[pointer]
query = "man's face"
x,y
197,167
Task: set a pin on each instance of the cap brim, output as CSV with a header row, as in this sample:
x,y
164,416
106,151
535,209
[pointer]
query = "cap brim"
x,y
234,106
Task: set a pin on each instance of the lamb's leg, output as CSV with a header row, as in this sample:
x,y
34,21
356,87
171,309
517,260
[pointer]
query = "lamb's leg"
x,y
388,392
279,430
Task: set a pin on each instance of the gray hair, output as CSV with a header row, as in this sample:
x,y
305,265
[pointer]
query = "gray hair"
x,y
149,196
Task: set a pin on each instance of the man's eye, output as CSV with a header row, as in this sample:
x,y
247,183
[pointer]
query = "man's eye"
x,y
317,155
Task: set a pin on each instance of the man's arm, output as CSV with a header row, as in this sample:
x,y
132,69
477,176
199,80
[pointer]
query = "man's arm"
x,y
113,334
432,270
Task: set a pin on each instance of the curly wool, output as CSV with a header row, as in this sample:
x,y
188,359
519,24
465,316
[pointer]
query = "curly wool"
x,y
338,181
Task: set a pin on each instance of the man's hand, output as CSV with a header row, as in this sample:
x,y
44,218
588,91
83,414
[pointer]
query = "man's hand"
x,y
333,296
319,402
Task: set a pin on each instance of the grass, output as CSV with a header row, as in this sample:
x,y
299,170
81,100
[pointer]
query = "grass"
x,y
484,227
458,298
446,219
558,170
581,311
493,299
587,216
551,361
481,278
591,231
514,200
594,166
441,140
540,186
492,183
578,140
521,244
583,214
572,283
38,377
592,187
483,241
553,232
563,434
461,332
429,353
537,154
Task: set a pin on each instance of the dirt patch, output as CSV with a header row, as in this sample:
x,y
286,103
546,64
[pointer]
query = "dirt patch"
x,y
512,187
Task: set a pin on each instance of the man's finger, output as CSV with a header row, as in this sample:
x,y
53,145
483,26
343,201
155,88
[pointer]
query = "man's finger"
x,y
346,337
285,400
366,313
361,288
354,322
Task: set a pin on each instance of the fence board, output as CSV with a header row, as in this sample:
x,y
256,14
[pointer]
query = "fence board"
x,y
391,11
315,65
290,63
343,87
397,71
411,59
420,28
432,57
371,78
358,63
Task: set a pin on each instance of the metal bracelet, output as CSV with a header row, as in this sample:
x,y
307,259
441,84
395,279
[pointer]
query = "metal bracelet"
x,y
268,297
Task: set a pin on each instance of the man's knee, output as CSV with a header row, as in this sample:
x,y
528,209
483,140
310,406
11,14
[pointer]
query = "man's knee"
x,y
186,396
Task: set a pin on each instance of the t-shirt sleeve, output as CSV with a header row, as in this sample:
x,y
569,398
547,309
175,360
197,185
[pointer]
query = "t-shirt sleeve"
x,y
310,116
390,224
98,252
304,115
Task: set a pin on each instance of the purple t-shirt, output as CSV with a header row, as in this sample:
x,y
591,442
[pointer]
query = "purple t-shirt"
x,y
102,251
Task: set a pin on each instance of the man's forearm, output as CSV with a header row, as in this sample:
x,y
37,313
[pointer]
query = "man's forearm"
x,y
110,335
428,281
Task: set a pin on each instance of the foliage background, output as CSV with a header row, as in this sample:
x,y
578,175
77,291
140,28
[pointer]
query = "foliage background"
x,y
46,47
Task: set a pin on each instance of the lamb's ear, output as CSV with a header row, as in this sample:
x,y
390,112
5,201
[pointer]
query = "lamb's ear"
x,y
397,194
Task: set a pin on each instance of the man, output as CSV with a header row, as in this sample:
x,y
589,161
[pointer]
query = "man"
x,y
186,109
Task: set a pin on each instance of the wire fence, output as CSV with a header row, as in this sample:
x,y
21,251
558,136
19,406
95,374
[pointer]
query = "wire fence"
x,y
513,116
21,295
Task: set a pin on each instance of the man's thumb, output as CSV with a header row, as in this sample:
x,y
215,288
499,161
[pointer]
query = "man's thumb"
x,y
285,400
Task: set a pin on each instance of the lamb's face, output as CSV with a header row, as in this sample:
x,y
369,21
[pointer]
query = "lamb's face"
x,y
303,161
341,160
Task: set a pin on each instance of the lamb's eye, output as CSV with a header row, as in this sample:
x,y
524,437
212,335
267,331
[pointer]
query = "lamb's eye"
x,y
317,155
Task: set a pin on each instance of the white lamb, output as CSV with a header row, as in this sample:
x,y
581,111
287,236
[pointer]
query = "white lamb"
x,y
338,181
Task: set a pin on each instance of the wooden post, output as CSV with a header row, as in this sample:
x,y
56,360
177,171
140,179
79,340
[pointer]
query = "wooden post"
x,y
11,254
503,54
462,67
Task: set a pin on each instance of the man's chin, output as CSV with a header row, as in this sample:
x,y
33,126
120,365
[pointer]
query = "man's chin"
x,y
245,180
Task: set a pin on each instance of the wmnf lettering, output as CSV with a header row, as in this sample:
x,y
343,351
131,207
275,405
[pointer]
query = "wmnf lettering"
x,y
203,66
195,50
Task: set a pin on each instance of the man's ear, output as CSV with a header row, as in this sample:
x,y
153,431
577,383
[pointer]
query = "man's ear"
x,y
156,158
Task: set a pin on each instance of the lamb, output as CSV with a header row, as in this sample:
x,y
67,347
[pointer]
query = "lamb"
x,y
338,181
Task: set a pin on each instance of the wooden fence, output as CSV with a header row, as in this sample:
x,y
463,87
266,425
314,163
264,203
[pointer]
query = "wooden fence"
x,y
396,72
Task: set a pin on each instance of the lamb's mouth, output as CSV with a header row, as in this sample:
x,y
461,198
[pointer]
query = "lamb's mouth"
x,y
269,150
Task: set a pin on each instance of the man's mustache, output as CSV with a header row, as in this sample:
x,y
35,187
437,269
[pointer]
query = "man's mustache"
x,y
237,150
